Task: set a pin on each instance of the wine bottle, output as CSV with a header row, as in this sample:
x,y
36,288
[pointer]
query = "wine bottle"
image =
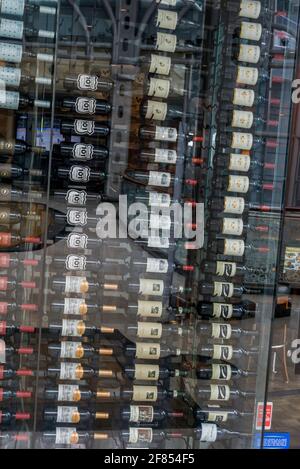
x,y
84,127
223,289
243,310
218,330
9,261
69,349
14,77
221,392
225,269
10,215
81,151
240,162
7,394
219,414
248,9
80,174
235,247
148,414
76,328
13,239
157,178
15,29
72,393
12,418
10,193
243,97
166,42
209,432
244,141
15,53
64,414
18,147
235,205
14,171
14,100
161,111
18,8
250,31
85,82
10,283
243,120
75,372
9,373
151,350
152,372
239,184
85,105
7,329
10,306
160,155
241,52
234,226
9,351
220,371
224,352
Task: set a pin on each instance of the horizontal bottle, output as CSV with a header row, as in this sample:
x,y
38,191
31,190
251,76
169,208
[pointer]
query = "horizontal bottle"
x,y
11,418
76,328
225,352
161,111
15,53
236,205
10,306
10,373
86,105
7,329
221,392
167,42
80,174
151,350
70,349
219,414
16,29
148,414
15,101
160,155
14,171
75,372
10,193
64,414
245,141
225,269
157,178
10,215
85,82
243,310
81,151
248,9
8,260
223,289
151,372
13,239
84,127
18,147
243,97
235,247
10,283
234,226
244,120
9,351
7,395
18,8
218,330
221,371
239,162
239,184
77,197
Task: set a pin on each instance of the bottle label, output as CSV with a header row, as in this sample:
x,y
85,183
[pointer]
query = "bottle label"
x,y
249,53
87,82
226,268
2,351
250,9
140,435
11,76
149,330
66,436
159,222
221,372
10,100
4,260
2,327
150,308
141,413
234,247
238,184
159,88
82,151
243,97
221,331
74,197
79,174
146,372
209,432
165,42
75,262
67,414
222,310
232,226
247,75
145,393
72,328
222,352
242,119
83,127
239,162
77,241
151,287
11,28
68,393
234,205
157,199
251,31
165,156
75,306
158,242
219,392
71,350
85,105
223,289
3,307
157,265
68,371
242,141
159,179
166,134
217,416
76,284
12,7
160,65
166,19
11,52
147,350
171,3
3,283
77,217
156,110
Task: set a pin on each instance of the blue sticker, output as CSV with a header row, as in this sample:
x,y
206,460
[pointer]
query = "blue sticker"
x,y
273,441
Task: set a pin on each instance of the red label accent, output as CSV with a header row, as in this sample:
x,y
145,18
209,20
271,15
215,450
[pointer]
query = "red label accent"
x,y
30,262
23,394
29,307
271,144
28,329
198,139
25,351
1,394
4,260
3,283
24,373
265,208
191,182
188,268
268,410
2,327
262,228
277,79
22,416
263,249
32,240
5,239
268,187
28,284
273,123
269,166
1,414
3,307
21,437
1,372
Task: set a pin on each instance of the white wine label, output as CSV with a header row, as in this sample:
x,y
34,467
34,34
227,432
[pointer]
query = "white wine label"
x,y
82,151
166,19
156,110
150,308
11,52
11,28
226,268
234,205
68,371
2,351
66,436
77,240
67,414
217,416
141,413
83,127
79,174
232,226
221,372
221,331
166,42
219,392
77,217
243,97
70,349
160,65
45,58
87,82
239,162
74,306
251,31
146,372
75,284
234,247
159,88
85,105
250,9
159,199
209,432
223,289
242,141
171,3
145,393
72,328
74,197
12,7
146,350
149,330
242,119
68,392
247,75
151,287
165,156
157,265
75,262
10,100
238,184
140,435
222,352
222,310
250,54
166,134
159,179
158,242
11,76
159,222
